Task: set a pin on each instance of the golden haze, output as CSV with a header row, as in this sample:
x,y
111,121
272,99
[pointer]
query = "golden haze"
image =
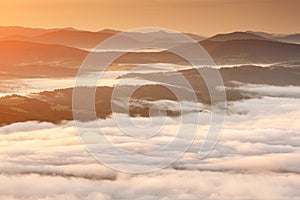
x,y
205,17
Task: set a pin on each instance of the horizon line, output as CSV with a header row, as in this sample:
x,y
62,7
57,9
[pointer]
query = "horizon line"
x,y
122,30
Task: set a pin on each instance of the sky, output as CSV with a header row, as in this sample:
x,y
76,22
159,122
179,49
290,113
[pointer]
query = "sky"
x,y
205,17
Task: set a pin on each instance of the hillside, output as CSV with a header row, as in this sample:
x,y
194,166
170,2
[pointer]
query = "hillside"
x,y
27,59
56,106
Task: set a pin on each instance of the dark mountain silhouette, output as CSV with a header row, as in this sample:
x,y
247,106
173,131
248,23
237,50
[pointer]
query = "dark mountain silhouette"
x,y
234,48
27,60
17,57
251,51
237,36
275,75
56,106
20,53
292,38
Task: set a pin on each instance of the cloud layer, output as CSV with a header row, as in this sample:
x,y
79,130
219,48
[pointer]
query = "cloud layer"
x,y
257,157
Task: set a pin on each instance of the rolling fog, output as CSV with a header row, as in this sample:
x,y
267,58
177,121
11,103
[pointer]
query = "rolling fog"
x,y
256,157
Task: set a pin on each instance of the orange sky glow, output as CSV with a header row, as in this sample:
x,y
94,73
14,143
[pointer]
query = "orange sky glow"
x,y
206,17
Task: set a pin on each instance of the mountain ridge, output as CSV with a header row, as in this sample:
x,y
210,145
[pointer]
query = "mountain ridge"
x,y
237,35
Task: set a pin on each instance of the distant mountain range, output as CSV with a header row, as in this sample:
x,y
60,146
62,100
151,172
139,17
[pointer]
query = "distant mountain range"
x,y
26,52
7,31
67,37
29,51
88,39
252,35
85,39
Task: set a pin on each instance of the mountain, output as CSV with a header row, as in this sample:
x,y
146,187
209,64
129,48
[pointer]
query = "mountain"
x,y
77,39
293,38
7,31
20,53
64,36
56,106
251,51
27,59
88,39
162,36
249,74
71,38
237,36
196,37
232,48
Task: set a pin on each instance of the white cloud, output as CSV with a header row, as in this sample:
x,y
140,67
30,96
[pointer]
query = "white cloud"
x,y
259,151
271,90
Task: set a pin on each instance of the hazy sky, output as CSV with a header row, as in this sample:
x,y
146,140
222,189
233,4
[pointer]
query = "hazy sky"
x,y
205,17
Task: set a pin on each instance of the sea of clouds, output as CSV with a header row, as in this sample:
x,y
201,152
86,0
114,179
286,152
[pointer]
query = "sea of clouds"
x,y
256,157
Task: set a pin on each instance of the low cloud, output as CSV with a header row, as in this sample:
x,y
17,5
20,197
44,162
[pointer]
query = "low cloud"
x,y
270,90
259,150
